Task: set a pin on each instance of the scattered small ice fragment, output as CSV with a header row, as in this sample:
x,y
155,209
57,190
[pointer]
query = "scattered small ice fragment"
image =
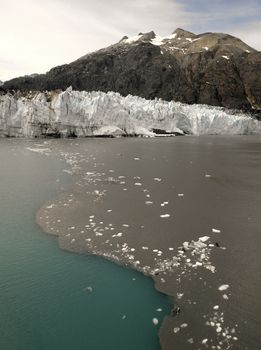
x,y
216,230
216,307
180,194
89,289
204,341
136,158
50,206
165,215
137,184
155,321
176,329
223,287
145,248
125,225
207,175
183,325
170,248
73,240
123,317
163,204
148,202
204,238
159,310
219,329
109,210
191,340
157,179
225,296
180,295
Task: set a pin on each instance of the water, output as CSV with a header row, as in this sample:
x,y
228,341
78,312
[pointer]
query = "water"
x,y
43,302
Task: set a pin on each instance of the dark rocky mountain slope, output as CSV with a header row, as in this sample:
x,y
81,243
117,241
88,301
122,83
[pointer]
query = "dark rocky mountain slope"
x,y
210,68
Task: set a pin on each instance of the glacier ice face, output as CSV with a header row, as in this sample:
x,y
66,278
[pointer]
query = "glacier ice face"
x,y
74,113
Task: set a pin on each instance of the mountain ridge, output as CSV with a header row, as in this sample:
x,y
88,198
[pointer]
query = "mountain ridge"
x,y
210,68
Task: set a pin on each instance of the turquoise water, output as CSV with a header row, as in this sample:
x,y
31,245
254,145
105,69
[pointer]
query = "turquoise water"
x,y
43,302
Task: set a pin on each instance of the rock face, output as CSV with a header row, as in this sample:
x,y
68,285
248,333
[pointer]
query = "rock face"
x,y
210,68
80,113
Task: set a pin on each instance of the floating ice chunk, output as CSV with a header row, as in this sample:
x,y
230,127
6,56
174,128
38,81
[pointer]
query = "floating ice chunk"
x,y
204,238
157,179
73,240
159,310
180,295
180,194
216,307
225,296
204,341
138,184
215,230
136,158
183,325
207,175
226,57
163,204
219,329
148,202
176,329
223,287
50,206
170,248
89,289
165,215
185,245
124,317
155,321
191,340
205,47
145,248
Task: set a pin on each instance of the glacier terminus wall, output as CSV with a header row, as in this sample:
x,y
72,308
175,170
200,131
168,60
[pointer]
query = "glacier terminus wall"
x,y
73,113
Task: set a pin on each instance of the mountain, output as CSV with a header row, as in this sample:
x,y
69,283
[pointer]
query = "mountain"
x,y
210,68
80,113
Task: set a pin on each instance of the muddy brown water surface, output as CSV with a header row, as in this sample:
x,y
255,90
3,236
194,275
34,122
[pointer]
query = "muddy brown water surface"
x,y
183,210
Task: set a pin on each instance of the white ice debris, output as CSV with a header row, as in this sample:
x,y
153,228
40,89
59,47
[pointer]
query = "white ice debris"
x,y
180,194
155,321
165,215
176,329
204,238
226,57
96,113
214,230
223,287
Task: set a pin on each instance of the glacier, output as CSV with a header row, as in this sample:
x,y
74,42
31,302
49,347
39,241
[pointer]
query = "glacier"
x,y
80,113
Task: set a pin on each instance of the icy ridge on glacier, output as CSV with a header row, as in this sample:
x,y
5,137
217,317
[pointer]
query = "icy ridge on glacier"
x,y
81,113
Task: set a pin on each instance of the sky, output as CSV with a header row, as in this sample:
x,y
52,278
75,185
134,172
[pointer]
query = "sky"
x,y
38,35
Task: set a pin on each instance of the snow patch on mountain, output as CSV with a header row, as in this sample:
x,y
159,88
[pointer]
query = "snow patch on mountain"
x,y
74,113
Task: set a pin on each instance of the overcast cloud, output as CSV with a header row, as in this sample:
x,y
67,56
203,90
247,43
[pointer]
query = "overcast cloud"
x,y
36,36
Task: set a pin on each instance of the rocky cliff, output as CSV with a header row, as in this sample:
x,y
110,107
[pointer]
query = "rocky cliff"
x,y
210,68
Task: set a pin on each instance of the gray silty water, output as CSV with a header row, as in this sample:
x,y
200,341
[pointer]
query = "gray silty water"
x,y
183,210
44,299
